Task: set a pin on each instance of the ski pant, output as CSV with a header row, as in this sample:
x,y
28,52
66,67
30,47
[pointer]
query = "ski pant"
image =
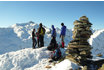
x,y
62,38
41,41
34,43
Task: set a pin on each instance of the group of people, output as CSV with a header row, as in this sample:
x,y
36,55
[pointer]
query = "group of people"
x,y
53,46
40,36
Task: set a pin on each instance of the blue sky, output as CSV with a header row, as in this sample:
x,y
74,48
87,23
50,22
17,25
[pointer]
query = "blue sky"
x,y
51,12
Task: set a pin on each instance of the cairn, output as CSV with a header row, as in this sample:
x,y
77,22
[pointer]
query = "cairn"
x,y
79,49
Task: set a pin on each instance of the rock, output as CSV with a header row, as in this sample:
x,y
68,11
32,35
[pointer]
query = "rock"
x,y
83,52
83,18
99,55
78,46
102,68
72,51
48,66
71,69
78,49
84,68
84,49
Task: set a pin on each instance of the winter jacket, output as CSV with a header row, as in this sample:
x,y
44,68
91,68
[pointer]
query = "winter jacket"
x,y
41,31
33,35
57,53
63,30
53,41
53,33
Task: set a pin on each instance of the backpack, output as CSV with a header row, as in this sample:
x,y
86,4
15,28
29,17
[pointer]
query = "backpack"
x,y
57,53
42,31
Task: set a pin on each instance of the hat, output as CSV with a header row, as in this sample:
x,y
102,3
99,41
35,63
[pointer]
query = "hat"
x,y
40,24
62,24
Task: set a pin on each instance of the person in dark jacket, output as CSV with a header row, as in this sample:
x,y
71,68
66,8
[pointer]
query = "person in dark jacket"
x,y
63,32
33,39
41,32
53,44
56,55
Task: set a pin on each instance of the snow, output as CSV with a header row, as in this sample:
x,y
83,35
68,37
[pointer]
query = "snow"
x,y
16,51
65,65
8,40
97,42
30,59
22,59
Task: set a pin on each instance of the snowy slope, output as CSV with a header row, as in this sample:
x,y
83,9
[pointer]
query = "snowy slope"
x,y
22,59
31,59
97,42
65,65
8,40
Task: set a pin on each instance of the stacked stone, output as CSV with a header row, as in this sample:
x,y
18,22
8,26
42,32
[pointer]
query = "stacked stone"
x,y
79,48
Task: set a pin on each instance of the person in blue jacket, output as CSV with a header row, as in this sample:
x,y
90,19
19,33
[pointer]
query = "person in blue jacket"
x,y
53,33
53,44
62,34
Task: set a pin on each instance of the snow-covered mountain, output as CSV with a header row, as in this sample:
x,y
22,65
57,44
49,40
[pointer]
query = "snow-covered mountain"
x,y
97,42
16,51
18,36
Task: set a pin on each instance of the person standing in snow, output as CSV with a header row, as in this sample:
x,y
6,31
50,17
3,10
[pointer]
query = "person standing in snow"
x,y
53,44
33,39
41,32
62,34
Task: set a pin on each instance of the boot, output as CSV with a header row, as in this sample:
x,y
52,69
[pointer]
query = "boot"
x,y
62,44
